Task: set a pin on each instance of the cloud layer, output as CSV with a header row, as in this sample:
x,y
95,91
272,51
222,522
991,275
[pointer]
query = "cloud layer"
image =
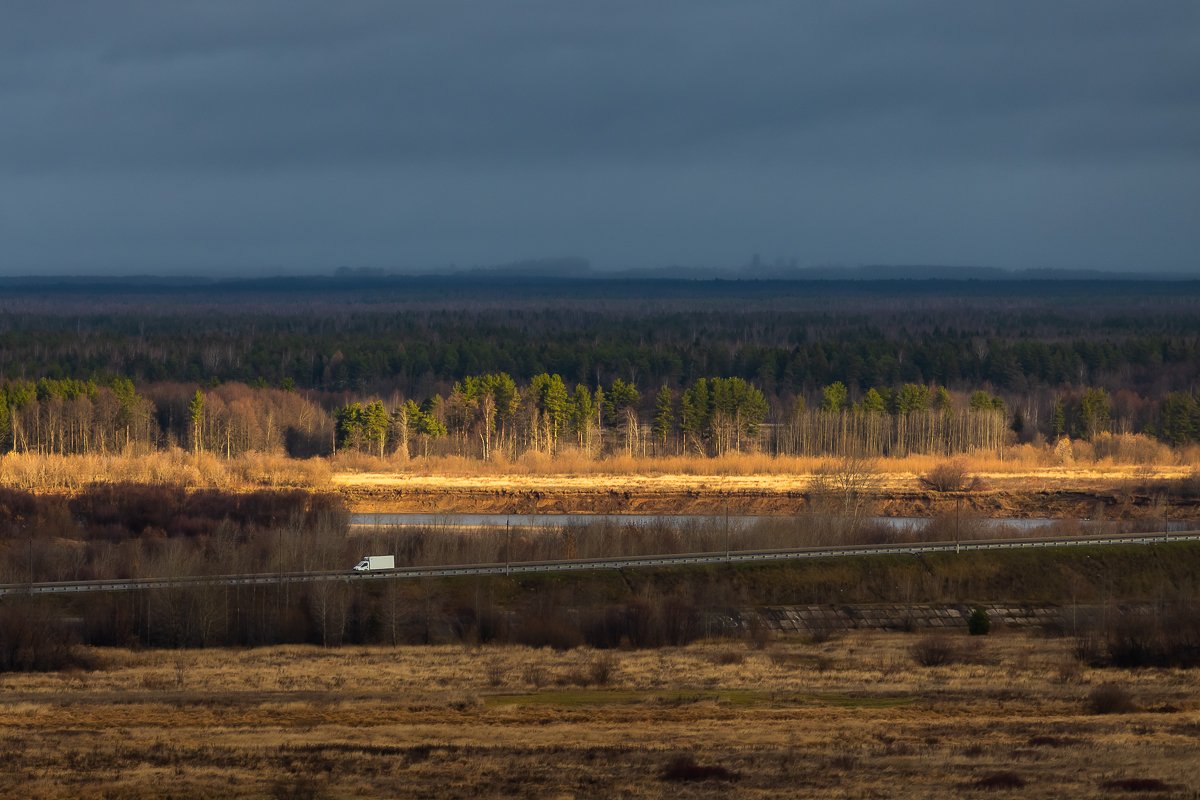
x,y
299,136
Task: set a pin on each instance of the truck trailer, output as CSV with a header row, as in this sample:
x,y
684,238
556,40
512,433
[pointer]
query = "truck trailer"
x,y
372,563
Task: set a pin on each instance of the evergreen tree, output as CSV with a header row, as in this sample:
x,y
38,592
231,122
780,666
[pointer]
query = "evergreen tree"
x,y
375,424
1179,418
551,406
664,415
833,397
622,409
912,398
696,412
582,415
1095,412
196,421
1059,421
873,402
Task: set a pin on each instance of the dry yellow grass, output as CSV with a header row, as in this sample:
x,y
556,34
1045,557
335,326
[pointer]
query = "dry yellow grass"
x,y
849,718
901,476
573,482
729,465
894,490
36,472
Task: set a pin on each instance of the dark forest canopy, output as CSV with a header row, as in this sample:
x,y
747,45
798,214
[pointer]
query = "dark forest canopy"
x,y
420,335
1036,345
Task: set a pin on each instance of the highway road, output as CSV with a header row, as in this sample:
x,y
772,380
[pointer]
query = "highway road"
x,y
580,565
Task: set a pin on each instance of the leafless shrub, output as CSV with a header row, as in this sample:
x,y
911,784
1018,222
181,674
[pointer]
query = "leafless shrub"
x,y
1187,488
844,486
1136,785
538,631
1130,448
34,639
495,672
822,629
1110,698
1043,740
1068,671
685,768
1000,780
935,651
464,703
951,476
597,671
758,633
1162,637
727,658
843,762
534,675
299,785
601,669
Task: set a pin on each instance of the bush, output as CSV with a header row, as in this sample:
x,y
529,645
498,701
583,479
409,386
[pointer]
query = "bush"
x,y
935,651
685,768
596,672
644,622
1136,785
534,675
978,624
951,476
1167,637
538,631
758,635
34,639
1000,780
1186,488
495,672
601,669
725,658
1130,448
1109,698
822,629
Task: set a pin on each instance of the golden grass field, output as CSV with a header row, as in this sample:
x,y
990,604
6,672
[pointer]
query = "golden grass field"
x,y
853,717
750,485
253,470
1022,481
890,478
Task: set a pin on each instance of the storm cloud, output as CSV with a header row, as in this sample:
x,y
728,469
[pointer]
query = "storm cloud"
x,y
300,136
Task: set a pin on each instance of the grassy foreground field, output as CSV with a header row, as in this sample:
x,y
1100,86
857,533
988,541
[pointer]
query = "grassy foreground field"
x,y
854,717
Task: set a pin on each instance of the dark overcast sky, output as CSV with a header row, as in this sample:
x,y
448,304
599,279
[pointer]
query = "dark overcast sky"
x,y
301,135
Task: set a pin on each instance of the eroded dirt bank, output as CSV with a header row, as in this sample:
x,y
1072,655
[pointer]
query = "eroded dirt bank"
x,y
762,495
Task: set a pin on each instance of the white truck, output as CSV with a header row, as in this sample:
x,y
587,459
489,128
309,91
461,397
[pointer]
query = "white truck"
x,y
372,563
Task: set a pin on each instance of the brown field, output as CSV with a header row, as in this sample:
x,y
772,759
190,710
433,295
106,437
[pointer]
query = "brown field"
x,y
1007,489
853,717
1024,481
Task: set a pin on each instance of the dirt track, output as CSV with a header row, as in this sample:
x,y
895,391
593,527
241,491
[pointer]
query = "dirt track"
x,y
1050,492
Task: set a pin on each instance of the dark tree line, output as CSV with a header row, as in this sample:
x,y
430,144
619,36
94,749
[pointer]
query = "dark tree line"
x,y
786,338
493,413
431,365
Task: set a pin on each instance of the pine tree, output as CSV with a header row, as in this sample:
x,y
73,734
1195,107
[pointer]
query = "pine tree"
x,y
1095,412
196,420
1059,421
664,415
873,402
833,397
582,411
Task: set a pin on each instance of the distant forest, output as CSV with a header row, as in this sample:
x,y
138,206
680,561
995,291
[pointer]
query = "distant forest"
x,y
440,365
